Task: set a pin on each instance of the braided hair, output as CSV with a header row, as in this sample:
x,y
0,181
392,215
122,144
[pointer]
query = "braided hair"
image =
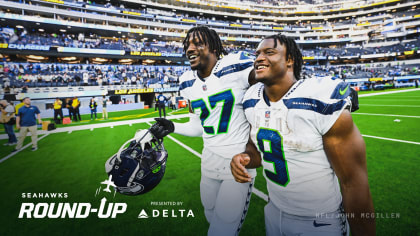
x,y
205,36
292,52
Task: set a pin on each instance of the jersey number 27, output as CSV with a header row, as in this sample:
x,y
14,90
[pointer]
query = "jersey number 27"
x,y
228,100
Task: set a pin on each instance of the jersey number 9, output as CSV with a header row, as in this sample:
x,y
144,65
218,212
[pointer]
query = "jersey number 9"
x,y
270,144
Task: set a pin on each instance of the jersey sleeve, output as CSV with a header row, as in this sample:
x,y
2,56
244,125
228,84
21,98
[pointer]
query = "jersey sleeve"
x,y
250,100
248,61
186,80
240,63
319,101
334,98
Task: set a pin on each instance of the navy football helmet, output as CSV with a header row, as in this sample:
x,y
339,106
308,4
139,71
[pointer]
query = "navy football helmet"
x,y
140,167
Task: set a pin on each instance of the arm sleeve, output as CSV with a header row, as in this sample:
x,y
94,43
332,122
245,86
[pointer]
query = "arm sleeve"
x,y
191,128
332,105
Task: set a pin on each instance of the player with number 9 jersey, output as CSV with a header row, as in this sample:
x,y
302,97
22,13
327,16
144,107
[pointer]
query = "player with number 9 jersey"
x,y
313,155
288,134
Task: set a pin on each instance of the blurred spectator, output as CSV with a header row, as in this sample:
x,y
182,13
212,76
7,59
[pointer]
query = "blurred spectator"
x,y
8,119
76,112
104,107
161,104
58,111
26,122
18,106
173,102
93,105
69,105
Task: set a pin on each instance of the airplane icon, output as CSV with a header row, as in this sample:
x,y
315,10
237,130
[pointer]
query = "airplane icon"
x,y
108,183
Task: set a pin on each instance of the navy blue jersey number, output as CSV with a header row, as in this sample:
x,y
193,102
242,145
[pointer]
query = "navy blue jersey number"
x,y
270,143
228,100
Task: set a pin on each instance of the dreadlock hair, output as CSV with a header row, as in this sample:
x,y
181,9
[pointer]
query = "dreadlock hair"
x,y
292,52
205,36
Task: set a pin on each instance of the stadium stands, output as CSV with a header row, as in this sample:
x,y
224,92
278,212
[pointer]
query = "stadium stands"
x,y
83,43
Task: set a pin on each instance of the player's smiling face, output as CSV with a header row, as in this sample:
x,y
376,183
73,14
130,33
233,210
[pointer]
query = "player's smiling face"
x,y
198,53
270,63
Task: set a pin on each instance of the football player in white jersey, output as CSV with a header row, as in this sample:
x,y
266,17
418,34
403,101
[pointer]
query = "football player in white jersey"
x,y
215,86
310,148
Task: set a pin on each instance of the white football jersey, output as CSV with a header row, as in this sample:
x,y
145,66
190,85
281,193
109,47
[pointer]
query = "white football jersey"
x,y
217,100
288,133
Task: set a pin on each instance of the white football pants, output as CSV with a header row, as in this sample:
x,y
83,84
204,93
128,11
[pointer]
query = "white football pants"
x,y
225,204
279,223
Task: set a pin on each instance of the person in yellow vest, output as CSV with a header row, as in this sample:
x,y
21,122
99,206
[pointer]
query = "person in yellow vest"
x,y
76,104
58,111
18,106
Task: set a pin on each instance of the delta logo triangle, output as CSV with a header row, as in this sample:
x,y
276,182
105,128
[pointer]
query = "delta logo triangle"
x,y
143,214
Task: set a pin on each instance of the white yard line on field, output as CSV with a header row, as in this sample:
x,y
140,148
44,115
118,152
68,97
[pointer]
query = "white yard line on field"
x,y
260,194
376,105
373,114
392,99
254,190
390,92
14,153
100,125
391,139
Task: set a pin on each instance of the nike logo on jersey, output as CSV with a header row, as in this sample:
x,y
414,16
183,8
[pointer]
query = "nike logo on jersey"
x,y
342,92
320,224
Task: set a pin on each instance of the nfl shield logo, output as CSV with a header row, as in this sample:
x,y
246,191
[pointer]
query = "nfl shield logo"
x,y
267,114
204,87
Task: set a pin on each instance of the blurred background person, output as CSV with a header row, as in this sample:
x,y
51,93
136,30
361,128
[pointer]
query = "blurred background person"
x,y
18,106
76,112
8,119
104,111
69,103
58,110
173,102
161,104
26,122
92,106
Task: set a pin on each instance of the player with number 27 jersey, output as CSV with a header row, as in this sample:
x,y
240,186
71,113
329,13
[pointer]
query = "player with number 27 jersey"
x,y
218,103
288,133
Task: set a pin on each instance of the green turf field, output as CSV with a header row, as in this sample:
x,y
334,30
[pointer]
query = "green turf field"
x,y
115,116
73,163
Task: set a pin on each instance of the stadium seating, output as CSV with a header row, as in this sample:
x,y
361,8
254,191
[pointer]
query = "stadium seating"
x,y
152,34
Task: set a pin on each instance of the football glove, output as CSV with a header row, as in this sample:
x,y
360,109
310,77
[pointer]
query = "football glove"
x,y
162,127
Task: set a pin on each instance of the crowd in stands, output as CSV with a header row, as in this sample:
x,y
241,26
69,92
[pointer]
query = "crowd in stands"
x,y
162,15
132,45
253,4
361,71
22,37
345,50
289,2
56,75
22,75
358,50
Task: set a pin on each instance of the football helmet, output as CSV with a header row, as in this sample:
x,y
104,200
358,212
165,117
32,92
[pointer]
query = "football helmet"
x,y
140,167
